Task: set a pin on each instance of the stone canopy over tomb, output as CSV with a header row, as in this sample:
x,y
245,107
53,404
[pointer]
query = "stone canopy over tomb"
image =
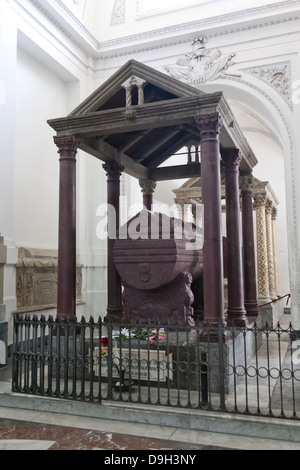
x,y
133,123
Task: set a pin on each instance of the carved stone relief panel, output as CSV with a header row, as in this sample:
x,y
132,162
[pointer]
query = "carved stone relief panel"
x,y
202,64
36,279
118,13
278,75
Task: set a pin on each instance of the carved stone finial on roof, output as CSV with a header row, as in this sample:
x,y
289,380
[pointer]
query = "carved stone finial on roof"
x,y
129,84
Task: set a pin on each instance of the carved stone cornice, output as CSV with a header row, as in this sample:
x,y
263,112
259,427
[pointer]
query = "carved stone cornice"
x,y
209,125
182,201
67,145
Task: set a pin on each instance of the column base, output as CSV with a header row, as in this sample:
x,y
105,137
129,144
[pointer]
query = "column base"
x,y
251,308
114,315
263,300
213,332
273,296
237,317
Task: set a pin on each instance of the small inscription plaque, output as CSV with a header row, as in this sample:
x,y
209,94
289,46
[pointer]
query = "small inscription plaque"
x,y
138,364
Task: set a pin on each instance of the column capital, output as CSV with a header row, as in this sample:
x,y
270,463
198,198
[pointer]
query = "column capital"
x,y
231,158
67,145
209,124
246,182
269,206
274,213
113,170
260,200
147,186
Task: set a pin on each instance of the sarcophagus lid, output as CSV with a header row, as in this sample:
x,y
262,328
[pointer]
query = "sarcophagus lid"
x,y
151,249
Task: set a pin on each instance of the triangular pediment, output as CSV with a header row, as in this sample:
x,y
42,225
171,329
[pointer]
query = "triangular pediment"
x,y
157,87
141,117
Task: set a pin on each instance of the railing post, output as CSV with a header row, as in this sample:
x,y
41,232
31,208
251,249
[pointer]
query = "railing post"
x,y
109,360
204,381
16,354
221,364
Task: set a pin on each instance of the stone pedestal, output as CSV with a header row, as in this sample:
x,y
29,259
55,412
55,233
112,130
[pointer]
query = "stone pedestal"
x,y
226,357
271,314
3,343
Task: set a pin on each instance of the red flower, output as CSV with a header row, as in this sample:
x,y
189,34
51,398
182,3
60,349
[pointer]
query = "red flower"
x,y
104,341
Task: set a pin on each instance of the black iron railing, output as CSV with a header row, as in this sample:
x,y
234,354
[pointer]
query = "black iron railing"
x,y
248,370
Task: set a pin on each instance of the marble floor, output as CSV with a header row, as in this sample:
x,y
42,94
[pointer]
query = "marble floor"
x,y
29,430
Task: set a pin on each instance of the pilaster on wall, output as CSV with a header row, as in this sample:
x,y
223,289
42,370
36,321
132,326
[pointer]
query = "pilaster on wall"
x,y
9,297
3,322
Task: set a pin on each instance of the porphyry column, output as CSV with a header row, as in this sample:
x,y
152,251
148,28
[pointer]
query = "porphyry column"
x,y
250,282
236,308
148,188
66,277
114,289
213,279
262,255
